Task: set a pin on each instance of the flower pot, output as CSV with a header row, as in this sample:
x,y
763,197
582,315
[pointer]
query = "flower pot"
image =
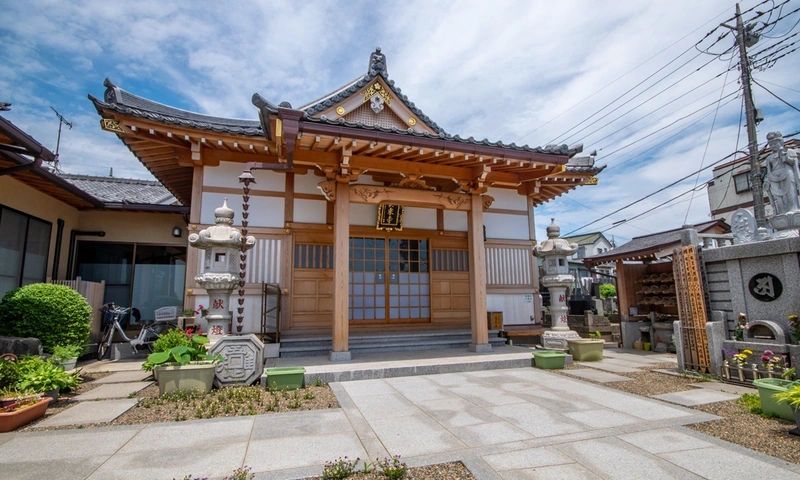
x,y
768,387
69,364
198,376
51,394
549,359
290,378
272,350
796,431
646,346
637,345
586,349
13,420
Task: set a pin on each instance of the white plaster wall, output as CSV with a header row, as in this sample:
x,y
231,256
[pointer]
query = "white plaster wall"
x,y
422,218
514,307
227,175
264,211
309,211
307,183
455,221
507,199
509,227
363,215
252,312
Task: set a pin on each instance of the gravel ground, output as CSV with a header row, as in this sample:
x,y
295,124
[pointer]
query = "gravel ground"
x,y
766,435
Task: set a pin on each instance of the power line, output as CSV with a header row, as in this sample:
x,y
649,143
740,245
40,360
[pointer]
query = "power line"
x,y
651,194
628,72
708,141
738,136
779,98
776,85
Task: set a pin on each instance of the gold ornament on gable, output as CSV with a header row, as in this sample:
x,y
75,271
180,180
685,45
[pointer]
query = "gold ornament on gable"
x,y
377,89
111,125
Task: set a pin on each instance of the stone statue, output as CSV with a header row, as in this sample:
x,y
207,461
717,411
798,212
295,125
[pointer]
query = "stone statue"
x,y
782,176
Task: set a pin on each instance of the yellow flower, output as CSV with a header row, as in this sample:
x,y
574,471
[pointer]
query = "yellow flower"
x,y
747,352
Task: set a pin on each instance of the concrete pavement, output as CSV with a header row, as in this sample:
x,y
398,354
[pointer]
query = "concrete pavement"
x,y
503,424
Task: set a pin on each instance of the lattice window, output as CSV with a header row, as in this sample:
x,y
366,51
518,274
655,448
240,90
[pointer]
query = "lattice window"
x,y
450,260
313,256
366,116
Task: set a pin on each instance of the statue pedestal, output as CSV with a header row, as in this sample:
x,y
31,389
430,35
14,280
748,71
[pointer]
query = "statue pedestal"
x,y
785,224
557,339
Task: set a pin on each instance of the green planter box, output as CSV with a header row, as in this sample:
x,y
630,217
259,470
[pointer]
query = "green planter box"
x,y
586,349
766,388
549,359
198,376
290,378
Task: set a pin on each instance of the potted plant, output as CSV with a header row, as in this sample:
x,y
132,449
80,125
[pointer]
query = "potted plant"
x,y
22,412
587,349
791,397
66,355
770,388
184,367
41,376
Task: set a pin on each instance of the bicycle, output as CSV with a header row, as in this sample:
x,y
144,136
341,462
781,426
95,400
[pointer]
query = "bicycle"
x,y
115,317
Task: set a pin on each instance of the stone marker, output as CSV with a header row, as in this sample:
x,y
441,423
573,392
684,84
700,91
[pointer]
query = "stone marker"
x,y
244,360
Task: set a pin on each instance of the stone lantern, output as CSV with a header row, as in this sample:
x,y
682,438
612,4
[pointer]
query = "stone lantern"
x,y
221,245
554,253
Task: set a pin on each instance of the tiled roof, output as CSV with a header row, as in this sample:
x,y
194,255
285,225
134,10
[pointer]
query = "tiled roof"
x,y
586,239
118,99
122,190
655,241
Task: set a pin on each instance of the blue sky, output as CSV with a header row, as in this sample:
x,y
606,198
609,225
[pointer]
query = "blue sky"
x,y
518,71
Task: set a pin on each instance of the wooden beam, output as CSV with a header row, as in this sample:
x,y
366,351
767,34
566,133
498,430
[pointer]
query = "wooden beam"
x,y
197,196
477,277
375,195
288,204
341,250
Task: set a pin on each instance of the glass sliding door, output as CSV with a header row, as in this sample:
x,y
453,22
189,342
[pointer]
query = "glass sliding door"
x,y
389,280
24,249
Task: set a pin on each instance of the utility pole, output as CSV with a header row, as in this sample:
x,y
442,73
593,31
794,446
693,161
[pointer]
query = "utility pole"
x,y
750,111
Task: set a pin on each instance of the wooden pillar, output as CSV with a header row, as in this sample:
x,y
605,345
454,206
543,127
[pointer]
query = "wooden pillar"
x,y
341,251
622,295
537,300
477,277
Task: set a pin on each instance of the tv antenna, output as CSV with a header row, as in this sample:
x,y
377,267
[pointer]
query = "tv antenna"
x,y
61,121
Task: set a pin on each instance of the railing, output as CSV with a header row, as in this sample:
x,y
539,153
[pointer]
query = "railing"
x,y
745,374
93,292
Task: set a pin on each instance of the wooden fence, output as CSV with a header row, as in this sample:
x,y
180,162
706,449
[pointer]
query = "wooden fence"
x,y
93,292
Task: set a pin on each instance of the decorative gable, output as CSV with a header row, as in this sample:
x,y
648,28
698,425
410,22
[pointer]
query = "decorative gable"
x,y
373,100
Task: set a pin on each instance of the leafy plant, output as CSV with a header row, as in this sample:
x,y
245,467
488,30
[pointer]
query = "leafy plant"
x,y
167,341
607,290
700,377
339,468
39,375
794,326
741,326
183,354
751,402
55,314
62,353
595,334
21,403
393,468
190,312
788,374
9,373
790,396
242,473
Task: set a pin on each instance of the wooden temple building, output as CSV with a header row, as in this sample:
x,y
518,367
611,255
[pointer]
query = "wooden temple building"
x,y
368,215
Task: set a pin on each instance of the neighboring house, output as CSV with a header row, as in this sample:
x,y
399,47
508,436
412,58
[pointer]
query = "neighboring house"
x,y
590,244
128,233
729,190
366,213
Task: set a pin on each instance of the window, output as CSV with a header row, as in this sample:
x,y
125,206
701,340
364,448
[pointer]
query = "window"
x,y
450,260
313,256
742,182
146,277
581,252
24,248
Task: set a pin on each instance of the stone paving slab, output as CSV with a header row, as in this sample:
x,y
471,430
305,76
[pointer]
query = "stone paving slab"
x,y
86,413
608,367
724,387
112,390
691,398
597,375
125,377
718,462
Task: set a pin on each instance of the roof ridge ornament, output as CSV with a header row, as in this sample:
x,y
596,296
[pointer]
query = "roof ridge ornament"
x,y
377,63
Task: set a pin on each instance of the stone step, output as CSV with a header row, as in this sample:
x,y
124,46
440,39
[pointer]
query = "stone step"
x,y
405,345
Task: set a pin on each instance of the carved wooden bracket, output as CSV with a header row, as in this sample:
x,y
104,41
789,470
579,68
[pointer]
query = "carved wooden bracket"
x,y
374,195
487,202
412,181
328,188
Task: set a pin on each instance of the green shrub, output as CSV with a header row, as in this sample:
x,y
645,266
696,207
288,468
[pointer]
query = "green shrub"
x,y
55,314
607,290
9,373
751,402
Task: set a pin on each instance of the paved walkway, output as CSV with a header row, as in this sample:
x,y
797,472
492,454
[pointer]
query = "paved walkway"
x,y
503,424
